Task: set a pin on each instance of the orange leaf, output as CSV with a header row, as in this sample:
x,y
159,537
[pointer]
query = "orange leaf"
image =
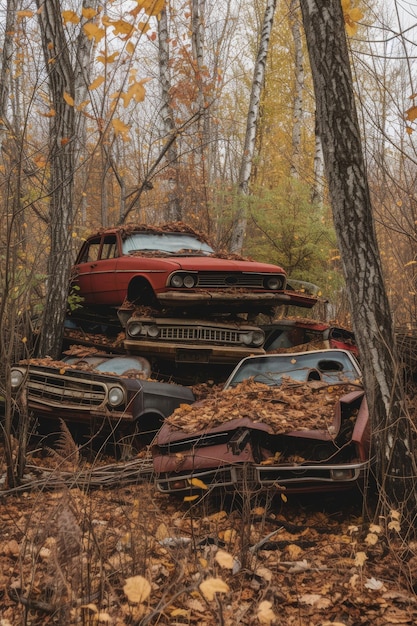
x,y
68,99
120,128
94,32
151,7
22,14
70,16
96,83
411,114
88,13
108,59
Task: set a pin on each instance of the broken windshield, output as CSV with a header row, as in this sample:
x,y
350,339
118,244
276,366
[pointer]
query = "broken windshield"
x,y
331,366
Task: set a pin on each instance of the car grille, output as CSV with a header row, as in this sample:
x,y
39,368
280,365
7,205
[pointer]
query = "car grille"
x,y
65,390
200,334
209,280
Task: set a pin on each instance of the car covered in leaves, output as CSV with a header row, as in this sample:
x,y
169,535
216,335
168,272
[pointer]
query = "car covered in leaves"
x,y
292,422
173,266
108,394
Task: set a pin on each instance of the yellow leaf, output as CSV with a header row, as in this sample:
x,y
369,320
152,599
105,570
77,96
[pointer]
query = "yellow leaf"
x,y
284,497
229,535
108,59
196,482
70,17
265,614
137,589
224,559
360,559
88,13
190,498
151,7
371,539
411,114
130,47
394,525
50,113
96,83
179,613
143,27
136,92
211,586
68,99
121,27
22,14
82,105
24,339
355,14
120,128
162,532
94,32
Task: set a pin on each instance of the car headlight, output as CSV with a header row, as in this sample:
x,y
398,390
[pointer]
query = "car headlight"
x,y
274,283
177,281
253,338
246,338
16,379
116,396
258,337
189,281
153,330
342,474
134,329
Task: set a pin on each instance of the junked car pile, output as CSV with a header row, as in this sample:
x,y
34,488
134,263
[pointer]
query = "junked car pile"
x,y
152,295
177,299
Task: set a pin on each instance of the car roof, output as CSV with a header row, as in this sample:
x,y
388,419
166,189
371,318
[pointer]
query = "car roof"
x,y
171,227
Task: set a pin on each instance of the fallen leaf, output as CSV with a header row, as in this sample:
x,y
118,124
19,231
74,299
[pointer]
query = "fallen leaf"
x,y
224,559
211,586
137,589
265,614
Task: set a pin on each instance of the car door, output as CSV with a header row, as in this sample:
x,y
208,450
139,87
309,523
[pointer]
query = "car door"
x,y
86,261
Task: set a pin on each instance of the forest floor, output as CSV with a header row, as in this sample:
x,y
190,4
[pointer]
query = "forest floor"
x,y
124,554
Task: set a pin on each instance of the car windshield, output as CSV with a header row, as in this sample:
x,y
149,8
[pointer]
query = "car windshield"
x,y
169,243
116,365
329,366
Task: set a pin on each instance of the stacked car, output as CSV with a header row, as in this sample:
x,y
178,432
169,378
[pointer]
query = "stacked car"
x,y
160,302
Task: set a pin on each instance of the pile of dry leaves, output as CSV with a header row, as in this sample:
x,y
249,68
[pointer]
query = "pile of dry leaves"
x,y
291,406
129,555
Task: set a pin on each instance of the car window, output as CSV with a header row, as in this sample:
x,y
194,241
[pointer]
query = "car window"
x,y
109,249
93,250
169,243
328,366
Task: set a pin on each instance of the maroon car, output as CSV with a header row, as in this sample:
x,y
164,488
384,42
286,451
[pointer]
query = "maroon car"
x,y
172,266
295,422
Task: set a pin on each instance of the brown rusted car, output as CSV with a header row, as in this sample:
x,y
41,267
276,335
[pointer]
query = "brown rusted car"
x,y
110,396
287,422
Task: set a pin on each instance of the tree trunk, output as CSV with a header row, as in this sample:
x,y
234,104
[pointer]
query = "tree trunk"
x,y
173,210
62,144
349,193
240,219
299,87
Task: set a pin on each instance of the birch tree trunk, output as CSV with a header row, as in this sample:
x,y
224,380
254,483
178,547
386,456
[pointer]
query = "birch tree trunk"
x,y
350,198
240,219
173,210
299,86
62,146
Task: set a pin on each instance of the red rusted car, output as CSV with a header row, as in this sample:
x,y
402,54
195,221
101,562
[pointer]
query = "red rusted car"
x,y
285,422
172,266
307,334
